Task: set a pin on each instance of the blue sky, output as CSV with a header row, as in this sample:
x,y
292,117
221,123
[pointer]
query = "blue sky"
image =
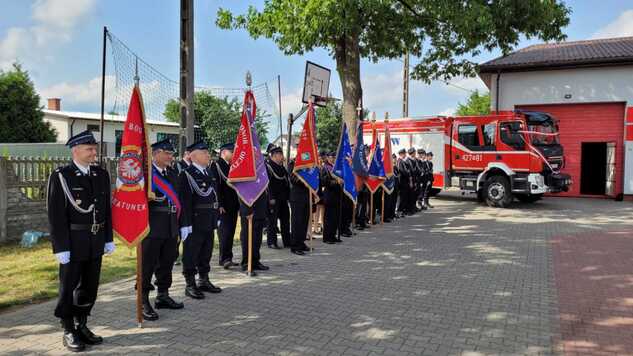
x,y
59,43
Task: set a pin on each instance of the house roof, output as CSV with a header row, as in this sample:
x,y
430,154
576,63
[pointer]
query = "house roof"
x,y
596,52
106,117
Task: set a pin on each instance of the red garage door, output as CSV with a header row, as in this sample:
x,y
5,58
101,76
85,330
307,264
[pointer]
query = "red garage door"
x,y
582,128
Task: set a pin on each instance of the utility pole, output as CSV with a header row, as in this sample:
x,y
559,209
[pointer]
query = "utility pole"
x,y
187,119
405,87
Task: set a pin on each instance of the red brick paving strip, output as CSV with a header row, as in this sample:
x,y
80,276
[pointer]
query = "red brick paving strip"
x,y
594,278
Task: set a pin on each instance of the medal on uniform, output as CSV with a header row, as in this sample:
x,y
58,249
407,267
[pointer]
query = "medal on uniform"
x,y
78,201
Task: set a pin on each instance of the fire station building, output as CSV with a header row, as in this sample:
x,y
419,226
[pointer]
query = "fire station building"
x,y
588,87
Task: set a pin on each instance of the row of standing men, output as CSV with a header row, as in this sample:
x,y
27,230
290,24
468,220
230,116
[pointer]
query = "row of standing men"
x,y
81,224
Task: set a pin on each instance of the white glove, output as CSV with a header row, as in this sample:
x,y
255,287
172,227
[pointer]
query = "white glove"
x,y
109,248
184,232
63,257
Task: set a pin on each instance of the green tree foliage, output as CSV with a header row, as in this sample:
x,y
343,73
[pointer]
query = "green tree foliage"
x,y
21,116
219,118
477,104
328,123
442,34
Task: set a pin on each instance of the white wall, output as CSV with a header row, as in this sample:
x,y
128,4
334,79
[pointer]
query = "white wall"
x,y
61,127
587,85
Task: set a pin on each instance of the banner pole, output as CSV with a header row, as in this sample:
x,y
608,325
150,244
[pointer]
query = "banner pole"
x,y
250,244
310,219
139,284
103,73
353,215
371,208
382,207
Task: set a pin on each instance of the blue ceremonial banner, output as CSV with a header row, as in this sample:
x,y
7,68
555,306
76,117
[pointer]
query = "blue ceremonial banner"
x,y
342,168
359,160
376,168
310,177
306,159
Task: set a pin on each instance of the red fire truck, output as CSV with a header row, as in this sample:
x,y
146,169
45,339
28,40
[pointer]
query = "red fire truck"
x,y
498,157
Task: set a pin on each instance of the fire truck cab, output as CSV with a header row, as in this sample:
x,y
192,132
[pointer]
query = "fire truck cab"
x,y
499,157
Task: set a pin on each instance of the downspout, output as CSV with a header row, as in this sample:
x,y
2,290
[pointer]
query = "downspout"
x,y
72,124
497,92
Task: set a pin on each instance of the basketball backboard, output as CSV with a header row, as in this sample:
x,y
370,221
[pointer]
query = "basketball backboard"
x,y
316,84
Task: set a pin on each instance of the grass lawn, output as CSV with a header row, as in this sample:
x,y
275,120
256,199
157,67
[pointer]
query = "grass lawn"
x,y
29,275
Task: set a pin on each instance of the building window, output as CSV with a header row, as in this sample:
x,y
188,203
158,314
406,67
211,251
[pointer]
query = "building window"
x,y
118,134
94,128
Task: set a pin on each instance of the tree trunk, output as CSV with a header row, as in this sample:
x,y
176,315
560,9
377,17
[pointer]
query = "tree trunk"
x,y
347,53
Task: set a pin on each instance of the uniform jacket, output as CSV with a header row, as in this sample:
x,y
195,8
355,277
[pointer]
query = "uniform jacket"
x,y
163,219
298,190
85,190
227,197
279,183
198,211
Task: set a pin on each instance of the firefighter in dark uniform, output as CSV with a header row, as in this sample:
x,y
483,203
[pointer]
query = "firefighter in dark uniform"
x,y
300,213
422,168
429,179
259,212
404,183
279,192
332,200
362,207
160,247
415,180
391,198
79,215
228,207
198,195
185,162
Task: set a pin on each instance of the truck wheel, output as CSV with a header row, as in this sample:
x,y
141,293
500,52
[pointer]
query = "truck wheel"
x,y
529,198
497,192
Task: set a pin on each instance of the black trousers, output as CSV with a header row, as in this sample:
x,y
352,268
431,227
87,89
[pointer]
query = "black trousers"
x,y
331,219
390,205
298,224
196,253
346,214
258,227
279,211
362,208
78,285
403,204
226,232
159,255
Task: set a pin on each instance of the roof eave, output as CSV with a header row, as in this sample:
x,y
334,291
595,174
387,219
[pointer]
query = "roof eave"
x,y
491,69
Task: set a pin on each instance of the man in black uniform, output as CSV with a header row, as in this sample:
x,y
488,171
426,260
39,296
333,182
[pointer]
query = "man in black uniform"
x,y
160,247
429,179
362,206
415,180
332,200
184,162
81,231
229,206
258,212
421,160
300,213
198,186
404,183
279,192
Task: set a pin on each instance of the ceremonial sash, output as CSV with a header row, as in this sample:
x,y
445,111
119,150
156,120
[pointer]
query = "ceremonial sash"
x,y
163,186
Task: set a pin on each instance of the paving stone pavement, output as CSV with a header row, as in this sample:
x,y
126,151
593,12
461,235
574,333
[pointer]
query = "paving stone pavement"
x,y
461,279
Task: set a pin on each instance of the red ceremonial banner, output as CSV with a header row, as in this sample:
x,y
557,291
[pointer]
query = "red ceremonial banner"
x,y
373,183
307,148
130,214
243,162
387,152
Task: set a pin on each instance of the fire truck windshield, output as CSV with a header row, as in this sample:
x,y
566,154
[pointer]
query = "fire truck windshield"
x,y
544,133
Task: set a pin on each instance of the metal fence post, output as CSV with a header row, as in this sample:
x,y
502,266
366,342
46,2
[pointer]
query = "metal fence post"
x,y
3,199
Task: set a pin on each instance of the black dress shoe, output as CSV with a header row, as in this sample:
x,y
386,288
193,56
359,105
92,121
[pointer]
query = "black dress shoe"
x,y
228,264
346,234
166,302
149,313
388,220
193,292
260,267
72,341
329,242
338,241
305,248
205,286
297,252
274,247
85,334
245,269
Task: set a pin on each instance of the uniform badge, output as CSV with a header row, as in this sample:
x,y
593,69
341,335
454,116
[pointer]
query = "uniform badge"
x,y
215,205
78,201
204,184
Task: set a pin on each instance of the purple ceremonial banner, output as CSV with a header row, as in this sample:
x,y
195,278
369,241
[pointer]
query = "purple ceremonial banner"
x,y
249,191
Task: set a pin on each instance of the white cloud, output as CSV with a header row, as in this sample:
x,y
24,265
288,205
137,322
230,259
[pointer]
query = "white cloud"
x,y
461,85
78,93
383,90
447,112
291,101
53,24
621,27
